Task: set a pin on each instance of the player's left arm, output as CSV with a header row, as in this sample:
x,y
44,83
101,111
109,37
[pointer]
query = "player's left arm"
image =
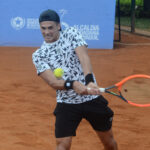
x,y
82,53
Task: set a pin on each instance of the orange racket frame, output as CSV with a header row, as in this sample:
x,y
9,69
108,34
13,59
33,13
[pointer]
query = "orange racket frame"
x,y
119,86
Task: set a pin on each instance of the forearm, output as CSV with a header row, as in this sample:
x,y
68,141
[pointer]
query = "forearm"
x,y
51,80
57,85
86,65
82,53
87,69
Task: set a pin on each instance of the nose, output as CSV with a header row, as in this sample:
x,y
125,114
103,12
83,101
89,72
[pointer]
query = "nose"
x,y
46,31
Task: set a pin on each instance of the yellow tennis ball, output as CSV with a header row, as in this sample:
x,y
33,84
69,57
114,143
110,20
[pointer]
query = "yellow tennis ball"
x,y
58,72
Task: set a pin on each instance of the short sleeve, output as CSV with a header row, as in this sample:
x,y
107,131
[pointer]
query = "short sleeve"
x,y
77,39
39,63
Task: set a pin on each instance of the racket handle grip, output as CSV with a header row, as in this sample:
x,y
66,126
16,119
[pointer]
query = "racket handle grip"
x,y
102,90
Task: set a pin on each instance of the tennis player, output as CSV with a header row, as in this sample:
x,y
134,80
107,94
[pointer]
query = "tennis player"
x,y
68,50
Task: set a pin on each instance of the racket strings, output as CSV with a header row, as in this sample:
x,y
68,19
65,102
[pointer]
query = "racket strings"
x,y
137,90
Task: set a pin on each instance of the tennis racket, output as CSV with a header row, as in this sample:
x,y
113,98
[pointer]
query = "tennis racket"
x,y
134,89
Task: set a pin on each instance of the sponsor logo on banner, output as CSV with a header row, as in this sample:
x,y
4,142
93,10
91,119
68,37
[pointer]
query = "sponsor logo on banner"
x,y
62,14
18,23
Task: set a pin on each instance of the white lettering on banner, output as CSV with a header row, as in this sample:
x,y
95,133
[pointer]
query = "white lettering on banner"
x,y
89,32
32,23
87,27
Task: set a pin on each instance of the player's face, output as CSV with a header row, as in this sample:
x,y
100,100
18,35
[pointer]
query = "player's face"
x,y
50,31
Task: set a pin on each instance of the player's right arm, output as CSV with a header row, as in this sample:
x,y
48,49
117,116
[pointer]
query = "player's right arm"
x,y
58,84
51,80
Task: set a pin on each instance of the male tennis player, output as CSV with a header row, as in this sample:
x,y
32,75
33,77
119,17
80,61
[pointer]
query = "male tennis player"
x,y
67,50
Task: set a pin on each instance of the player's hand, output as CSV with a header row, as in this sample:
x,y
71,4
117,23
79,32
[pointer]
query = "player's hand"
x,y
93,89
90,89
80,88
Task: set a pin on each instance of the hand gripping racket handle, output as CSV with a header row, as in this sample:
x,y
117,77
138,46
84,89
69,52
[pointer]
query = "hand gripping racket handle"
x,y
102,90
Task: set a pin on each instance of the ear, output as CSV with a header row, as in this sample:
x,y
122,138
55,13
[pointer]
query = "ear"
x,y
59,27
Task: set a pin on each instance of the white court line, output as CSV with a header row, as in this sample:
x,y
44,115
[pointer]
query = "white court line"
x,y
120,43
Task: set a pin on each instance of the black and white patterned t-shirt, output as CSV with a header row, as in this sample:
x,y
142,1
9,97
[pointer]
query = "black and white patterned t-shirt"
x,y
61,54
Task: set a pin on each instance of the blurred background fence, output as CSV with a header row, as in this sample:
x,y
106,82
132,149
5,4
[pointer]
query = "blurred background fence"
x,y
132,16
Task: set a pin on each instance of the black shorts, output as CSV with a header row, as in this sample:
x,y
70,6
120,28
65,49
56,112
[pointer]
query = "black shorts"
x,y
68,116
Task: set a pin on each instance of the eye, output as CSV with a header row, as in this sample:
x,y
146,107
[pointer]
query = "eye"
x,y
50,28
43,28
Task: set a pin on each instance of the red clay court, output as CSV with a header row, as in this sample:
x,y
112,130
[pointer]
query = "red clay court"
x,y
27,103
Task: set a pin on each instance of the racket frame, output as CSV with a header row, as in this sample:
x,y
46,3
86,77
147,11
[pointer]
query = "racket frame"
x,y
119,86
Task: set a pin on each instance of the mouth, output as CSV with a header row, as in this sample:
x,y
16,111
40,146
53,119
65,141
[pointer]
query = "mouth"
x,y
47,37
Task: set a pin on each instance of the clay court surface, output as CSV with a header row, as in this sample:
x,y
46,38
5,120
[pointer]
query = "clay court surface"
x,y
27,103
